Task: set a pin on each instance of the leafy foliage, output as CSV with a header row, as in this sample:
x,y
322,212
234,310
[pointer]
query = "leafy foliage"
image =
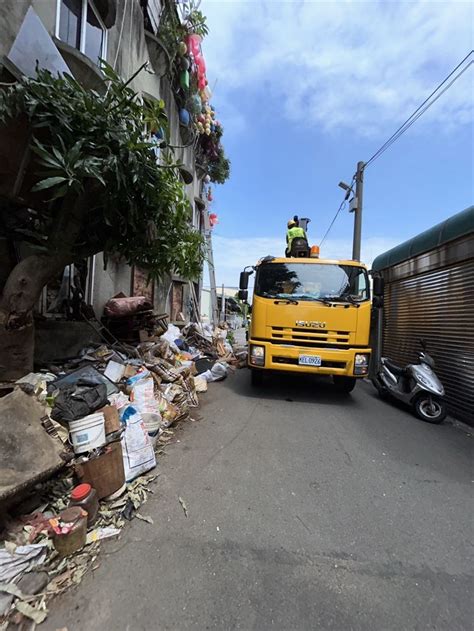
x,y
86,142
196,23
172,30
219,170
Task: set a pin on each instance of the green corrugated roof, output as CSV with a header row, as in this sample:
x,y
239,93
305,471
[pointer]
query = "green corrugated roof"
x,y
456,226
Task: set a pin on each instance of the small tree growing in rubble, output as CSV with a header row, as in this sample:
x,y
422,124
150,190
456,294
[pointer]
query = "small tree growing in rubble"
x,y
96,187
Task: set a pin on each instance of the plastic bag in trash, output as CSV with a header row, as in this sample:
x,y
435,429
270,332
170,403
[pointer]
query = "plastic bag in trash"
x,y
217,373
172,334
81,399
138,452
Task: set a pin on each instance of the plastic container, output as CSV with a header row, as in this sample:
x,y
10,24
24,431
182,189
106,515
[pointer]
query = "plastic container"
x,y
86,497
70,530
87,433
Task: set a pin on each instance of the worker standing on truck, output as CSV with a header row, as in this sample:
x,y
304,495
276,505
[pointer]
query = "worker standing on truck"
x,y
293,232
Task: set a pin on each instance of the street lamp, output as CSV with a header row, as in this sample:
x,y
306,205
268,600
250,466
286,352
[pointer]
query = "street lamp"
x,y
347,188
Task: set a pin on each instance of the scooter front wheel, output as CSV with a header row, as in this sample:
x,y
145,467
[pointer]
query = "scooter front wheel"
x,y
430,409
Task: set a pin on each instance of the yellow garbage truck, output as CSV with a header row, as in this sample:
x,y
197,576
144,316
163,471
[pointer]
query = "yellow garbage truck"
x,y
309,315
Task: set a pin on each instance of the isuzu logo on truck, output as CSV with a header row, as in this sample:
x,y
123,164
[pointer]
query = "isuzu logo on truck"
x,y
311,325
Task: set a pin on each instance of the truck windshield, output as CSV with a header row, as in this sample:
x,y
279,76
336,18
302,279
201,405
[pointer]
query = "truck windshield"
x,y
307,281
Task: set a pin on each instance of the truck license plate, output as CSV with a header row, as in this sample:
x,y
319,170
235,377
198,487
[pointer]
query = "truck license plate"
x,y
309,360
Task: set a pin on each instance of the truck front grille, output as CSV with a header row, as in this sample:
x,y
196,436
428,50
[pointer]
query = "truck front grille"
x,y
310,337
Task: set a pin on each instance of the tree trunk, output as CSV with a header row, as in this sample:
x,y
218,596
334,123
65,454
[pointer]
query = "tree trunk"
x,y
20,295
25,284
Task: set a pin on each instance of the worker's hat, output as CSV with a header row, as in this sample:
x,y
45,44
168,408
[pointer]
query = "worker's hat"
x,y
291,223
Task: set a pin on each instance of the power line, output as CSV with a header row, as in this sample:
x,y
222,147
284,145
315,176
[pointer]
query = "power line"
x,y
421,109
343,203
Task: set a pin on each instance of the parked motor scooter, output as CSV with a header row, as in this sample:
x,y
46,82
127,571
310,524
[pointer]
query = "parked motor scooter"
x,y
415,384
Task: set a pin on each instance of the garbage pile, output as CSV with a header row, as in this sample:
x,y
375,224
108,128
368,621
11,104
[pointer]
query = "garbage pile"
x,y
109,414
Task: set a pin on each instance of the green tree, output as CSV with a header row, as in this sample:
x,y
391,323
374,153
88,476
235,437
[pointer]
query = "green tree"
x,y
97,187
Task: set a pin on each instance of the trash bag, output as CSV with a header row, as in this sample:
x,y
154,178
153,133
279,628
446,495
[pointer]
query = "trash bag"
x,y
138,452
217,373
172,334
123,306
181,344
79,400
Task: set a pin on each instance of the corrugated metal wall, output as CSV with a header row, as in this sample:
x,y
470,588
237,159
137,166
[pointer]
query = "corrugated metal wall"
x,y
437,305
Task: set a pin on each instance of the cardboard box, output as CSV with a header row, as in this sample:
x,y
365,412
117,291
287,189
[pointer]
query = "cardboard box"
x,y
112,421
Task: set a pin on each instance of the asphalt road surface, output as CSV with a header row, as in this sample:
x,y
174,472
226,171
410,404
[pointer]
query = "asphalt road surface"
x,y
306,510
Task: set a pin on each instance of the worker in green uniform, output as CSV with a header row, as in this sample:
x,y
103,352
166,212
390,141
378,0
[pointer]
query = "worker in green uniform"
x,y
293,231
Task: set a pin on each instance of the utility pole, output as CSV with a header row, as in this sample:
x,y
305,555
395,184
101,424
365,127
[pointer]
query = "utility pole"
x,y
214,315
359,177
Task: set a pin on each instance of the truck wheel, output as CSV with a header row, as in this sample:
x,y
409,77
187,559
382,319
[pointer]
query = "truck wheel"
x,y
344,384
430,409
256,377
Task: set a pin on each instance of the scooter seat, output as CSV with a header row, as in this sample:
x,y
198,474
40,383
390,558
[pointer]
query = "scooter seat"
x,y
395,368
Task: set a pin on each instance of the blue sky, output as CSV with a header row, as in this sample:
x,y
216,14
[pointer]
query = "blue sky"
x,y
305,90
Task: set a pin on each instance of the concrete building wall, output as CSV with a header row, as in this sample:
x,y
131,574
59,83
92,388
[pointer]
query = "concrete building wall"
x,y
108,282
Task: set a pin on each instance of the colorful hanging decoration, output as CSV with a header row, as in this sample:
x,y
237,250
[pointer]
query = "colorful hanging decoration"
x,y
184,117
197,111
184,80
213,219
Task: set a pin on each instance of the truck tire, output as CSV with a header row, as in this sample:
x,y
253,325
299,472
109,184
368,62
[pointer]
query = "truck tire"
x,y
344,384
256,377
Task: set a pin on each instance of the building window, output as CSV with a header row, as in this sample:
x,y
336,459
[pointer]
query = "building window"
x,y
79,25
151,14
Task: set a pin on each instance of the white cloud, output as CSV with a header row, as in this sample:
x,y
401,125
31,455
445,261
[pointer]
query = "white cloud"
x,y
354,65
231,255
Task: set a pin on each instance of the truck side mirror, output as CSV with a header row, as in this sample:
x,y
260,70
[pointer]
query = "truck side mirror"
x,y
379,285
243,295
244,279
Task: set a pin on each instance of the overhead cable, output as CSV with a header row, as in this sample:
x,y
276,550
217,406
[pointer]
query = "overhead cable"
x,y
343,203
421,109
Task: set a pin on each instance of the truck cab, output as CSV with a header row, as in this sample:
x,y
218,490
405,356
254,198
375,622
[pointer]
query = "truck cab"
x,y
310,315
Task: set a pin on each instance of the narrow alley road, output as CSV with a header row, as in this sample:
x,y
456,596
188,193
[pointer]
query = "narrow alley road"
x,y
305,511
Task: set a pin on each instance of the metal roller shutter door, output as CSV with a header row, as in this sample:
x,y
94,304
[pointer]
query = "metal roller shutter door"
x,y
438,306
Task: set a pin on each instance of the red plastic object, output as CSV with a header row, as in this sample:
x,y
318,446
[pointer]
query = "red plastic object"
x,y
80,492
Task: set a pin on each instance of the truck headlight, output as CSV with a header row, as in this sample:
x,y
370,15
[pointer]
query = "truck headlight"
x,y
257,355
361,364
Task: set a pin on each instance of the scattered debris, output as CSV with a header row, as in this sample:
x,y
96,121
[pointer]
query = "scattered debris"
x,y
102,533
20,559
100,420
146,518
181,501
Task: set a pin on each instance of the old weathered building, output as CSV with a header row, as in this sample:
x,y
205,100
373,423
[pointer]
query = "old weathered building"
x,y
74,35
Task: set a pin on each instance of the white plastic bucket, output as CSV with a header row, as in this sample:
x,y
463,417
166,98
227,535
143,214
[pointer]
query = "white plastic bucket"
x,y
87,433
